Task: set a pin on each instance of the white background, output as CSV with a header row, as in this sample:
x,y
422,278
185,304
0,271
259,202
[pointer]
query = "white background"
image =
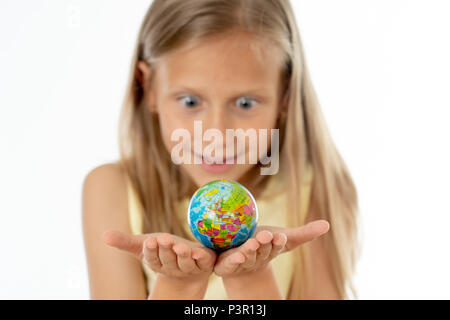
x,y
381,70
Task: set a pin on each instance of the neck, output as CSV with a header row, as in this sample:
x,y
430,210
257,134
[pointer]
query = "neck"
x,y
254,182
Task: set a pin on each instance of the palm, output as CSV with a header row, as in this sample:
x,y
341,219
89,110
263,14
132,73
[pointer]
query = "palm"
x,y
266,243
134,244
299,235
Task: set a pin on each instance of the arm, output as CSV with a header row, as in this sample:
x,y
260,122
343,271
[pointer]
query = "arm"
x,y
175,289
112,274
246,270
117,274
182,267
259,284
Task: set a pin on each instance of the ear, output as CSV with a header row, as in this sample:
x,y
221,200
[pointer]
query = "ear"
x,y
144,76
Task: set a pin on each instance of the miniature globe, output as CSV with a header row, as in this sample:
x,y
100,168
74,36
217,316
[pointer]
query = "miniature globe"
x,y
222,214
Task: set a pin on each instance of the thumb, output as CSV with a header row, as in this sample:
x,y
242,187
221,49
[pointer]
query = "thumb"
x,y
123,241
306,233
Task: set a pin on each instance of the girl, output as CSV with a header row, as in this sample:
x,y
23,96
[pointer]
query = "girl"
x,y
229,64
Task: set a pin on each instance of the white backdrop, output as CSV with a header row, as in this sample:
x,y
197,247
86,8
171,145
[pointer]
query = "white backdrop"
x,y
381,71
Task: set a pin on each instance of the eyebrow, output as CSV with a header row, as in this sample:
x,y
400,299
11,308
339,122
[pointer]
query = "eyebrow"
x,y
260,92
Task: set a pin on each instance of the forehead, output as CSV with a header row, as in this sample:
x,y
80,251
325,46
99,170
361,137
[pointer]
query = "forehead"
x,y
236,60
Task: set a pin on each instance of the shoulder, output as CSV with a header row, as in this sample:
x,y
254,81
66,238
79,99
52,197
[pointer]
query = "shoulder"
x,y
103,175
104,196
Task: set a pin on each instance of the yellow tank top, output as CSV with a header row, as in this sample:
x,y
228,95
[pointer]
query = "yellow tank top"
x,y
272,212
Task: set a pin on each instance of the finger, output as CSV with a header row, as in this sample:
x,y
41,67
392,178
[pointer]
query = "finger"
x,y
265,239
308,232
123,241
166,255
278,243
204,258
230,264
151,256
184,259
249,249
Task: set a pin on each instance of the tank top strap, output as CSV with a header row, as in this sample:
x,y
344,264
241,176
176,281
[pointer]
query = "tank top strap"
x,y
135,215
134,210
308,177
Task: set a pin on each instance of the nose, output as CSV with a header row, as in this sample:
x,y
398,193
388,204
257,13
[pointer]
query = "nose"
x,y
217,118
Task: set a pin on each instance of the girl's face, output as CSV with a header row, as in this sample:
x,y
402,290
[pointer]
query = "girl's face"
x,y
229,82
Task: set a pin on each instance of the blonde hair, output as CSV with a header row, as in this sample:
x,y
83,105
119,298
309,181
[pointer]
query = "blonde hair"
x,y
304,137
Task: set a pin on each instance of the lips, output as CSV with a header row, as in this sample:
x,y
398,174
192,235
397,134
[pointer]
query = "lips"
x,y
224,160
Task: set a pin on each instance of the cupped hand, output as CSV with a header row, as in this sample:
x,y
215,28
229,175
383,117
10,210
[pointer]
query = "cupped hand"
x,y
167,254
266,243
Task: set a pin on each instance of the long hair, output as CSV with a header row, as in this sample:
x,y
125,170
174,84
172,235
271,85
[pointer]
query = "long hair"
x,y
304,138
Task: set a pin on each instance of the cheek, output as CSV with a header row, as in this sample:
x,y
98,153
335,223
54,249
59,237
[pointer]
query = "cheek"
x,y
168,125
263,127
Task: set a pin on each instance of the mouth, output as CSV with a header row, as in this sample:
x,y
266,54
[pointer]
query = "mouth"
x,y
208,160
215,168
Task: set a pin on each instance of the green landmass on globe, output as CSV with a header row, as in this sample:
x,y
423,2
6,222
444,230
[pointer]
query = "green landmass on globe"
x,y
222,214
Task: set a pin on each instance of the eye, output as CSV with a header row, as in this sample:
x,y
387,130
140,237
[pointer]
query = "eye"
x,y
245,103
189,101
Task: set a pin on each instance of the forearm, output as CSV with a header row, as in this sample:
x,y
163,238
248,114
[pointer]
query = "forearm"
x,y
166,288
257,285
